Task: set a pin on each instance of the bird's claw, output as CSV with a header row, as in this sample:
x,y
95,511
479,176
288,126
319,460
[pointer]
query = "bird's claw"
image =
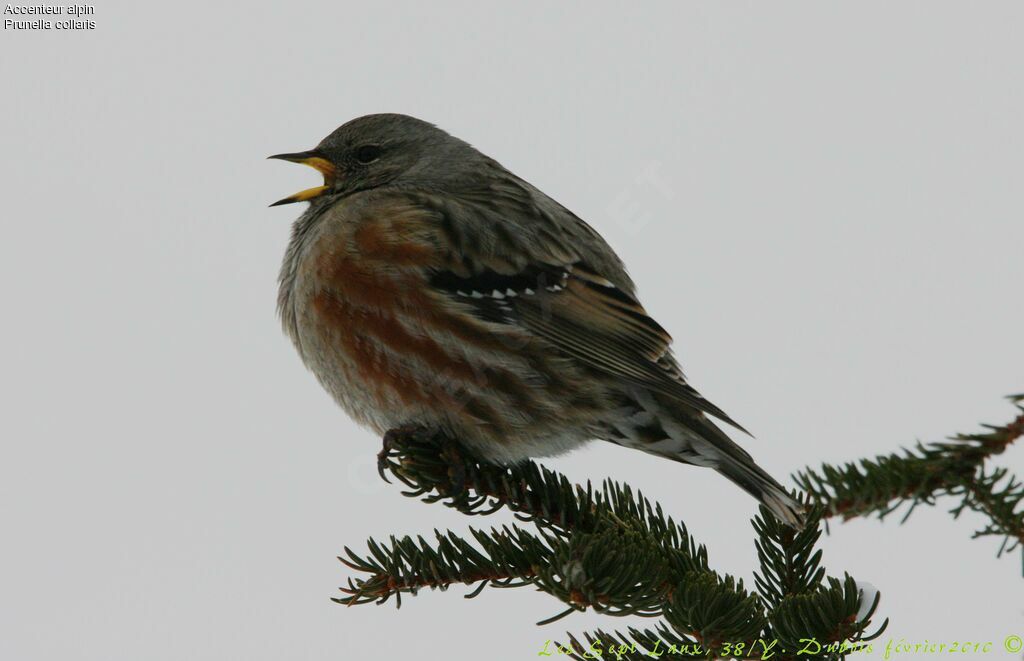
x,y
456,466
389,443
382,460
450,452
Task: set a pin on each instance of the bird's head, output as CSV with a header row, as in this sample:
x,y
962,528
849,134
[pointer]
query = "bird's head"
x,y
376,150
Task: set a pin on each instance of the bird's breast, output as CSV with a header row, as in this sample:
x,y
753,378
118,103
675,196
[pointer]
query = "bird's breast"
x,y
393,350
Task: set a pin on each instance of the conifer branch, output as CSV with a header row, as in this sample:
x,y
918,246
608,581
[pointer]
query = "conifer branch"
x,y
604,548
406,565
998,495
608,549
956,467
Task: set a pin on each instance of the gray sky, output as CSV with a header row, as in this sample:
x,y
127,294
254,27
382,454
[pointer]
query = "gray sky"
x,y
820,201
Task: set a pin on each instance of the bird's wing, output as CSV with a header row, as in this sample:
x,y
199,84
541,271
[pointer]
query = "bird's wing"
x,y
559,281
583,315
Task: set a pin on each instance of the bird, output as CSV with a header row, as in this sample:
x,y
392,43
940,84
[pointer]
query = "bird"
x,y
426,286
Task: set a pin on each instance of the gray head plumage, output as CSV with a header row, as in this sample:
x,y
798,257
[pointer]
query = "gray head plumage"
x,y
377,150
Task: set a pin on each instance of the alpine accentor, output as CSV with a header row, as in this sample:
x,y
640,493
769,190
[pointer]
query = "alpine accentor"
x,y
427,285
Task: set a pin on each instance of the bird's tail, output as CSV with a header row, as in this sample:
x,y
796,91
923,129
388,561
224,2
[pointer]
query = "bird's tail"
x,y
758,483
696,440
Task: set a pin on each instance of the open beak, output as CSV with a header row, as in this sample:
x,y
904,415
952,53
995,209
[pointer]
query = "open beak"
x,y
318,163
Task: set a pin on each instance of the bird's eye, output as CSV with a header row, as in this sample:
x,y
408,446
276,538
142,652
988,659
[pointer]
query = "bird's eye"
x,y
368,153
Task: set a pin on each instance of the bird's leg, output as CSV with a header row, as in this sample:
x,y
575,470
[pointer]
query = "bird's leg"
x,y
451,452
448,450
392,440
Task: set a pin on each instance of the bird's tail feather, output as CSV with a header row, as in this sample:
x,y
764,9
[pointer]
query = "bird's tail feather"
x,y
703,443
754,480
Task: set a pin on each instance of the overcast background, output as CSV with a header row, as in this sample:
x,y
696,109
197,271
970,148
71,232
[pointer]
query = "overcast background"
x,y
820,201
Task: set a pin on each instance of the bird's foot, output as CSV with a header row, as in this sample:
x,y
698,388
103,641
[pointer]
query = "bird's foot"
x,y
451,452
392,440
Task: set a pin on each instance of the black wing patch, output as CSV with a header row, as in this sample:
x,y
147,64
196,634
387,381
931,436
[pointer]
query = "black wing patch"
x,y
491,284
